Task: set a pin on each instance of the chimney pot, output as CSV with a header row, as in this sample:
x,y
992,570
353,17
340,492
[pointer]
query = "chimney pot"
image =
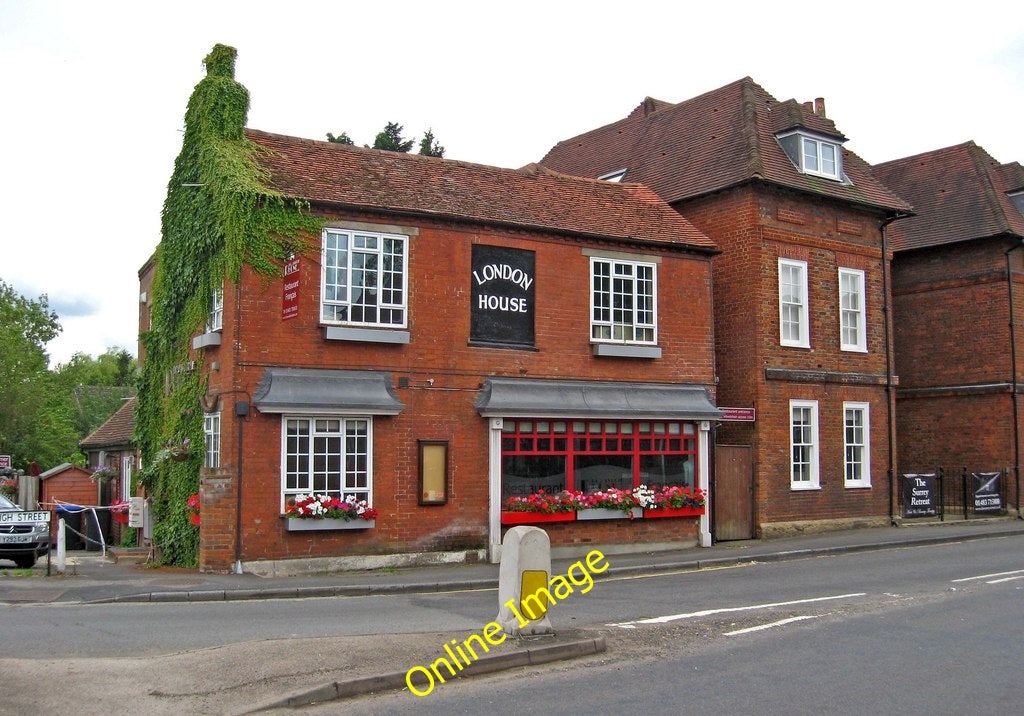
x,y
819,106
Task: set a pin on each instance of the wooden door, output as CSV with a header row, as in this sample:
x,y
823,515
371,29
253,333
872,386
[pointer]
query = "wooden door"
x,y
733,497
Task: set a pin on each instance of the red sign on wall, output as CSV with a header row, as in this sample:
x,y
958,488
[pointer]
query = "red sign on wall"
x,y
737,415
290,297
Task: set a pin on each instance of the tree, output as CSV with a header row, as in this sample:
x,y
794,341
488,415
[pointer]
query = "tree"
x,y
342,138
429,146
35,420
391,140
97,387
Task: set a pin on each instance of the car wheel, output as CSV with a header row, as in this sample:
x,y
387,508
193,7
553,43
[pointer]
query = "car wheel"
x,y
25,561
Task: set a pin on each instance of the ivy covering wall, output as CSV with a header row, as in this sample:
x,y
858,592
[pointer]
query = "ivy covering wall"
x,y
219,217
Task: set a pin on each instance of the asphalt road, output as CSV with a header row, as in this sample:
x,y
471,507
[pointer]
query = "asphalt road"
x,y
893,630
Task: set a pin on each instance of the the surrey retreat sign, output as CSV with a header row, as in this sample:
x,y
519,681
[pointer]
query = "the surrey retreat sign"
x,y
502,296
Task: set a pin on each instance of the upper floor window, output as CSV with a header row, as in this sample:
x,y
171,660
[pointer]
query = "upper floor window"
x,y
820,157
211,430
852,315
813,153
623,301
216,319
803,430
364,278
793,321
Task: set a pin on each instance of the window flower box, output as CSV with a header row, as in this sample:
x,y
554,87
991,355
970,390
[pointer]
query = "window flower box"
x,y
673,512
606,513
306,524
532,518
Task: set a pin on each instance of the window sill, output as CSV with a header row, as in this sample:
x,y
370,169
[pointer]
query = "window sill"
x,y
804,488
615,350
211,338
853,349
305,524
366,335
858,486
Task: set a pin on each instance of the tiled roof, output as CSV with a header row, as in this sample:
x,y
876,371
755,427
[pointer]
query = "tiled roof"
x,y
719,139
532,197
959,194
116,431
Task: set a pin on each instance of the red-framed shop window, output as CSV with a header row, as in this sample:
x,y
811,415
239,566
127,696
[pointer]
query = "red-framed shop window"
x,y
592,455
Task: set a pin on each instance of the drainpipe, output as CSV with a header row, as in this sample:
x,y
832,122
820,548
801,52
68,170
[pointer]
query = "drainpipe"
x,y
1013,377
890,420
240,414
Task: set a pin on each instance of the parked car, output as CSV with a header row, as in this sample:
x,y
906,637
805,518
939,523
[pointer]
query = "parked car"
x,y
22,540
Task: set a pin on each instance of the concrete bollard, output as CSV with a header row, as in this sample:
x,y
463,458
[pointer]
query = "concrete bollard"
x,y
525,568
61,553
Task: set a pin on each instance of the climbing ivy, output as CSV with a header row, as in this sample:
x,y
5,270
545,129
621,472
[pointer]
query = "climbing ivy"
x,y
219,216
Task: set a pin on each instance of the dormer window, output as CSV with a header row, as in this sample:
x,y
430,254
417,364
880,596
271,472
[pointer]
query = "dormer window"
x,y
613,176
813,154
1018,200
820,157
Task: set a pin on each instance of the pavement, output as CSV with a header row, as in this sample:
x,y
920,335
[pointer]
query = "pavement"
x,y
92,578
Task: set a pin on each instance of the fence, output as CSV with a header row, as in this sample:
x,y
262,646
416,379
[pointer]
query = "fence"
x,y
960,495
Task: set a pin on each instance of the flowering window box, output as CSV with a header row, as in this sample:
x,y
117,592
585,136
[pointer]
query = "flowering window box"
x,y
673,512
532,518
303,524
605,513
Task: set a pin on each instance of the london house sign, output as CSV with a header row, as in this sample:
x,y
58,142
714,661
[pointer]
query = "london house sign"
x,y
502,296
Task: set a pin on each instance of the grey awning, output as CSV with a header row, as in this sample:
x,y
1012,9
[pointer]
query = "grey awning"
x,y
321,392
519,397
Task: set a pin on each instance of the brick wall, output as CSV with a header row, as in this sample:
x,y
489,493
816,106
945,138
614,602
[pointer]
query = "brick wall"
x,y
444,376
754,226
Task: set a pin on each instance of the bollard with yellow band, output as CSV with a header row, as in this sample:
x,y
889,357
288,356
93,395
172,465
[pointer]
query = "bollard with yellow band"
x,y
523,579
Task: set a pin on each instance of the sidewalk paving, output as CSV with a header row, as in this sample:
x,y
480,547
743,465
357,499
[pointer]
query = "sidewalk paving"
x,y
92,578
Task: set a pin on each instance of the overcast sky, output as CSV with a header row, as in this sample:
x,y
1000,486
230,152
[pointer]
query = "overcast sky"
x,y
93,98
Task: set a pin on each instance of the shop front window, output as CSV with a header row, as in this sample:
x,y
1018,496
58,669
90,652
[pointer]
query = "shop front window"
x,y
592,455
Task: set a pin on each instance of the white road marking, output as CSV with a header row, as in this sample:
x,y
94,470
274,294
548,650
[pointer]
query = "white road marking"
x,y
726,610
988,576
781,622
1005,579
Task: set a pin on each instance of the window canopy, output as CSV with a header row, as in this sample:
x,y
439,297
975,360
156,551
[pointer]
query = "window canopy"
x,y
321,392
508,397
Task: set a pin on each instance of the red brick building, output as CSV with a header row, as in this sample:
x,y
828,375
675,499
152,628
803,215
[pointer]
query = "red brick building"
x,y
958,303
465,334
800,296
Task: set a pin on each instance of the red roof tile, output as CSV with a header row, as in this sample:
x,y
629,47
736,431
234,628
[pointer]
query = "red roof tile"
x,y
959,194
116,431
532,197
719,139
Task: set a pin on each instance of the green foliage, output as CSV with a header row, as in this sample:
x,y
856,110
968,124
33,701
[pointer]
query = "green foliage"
x,y
97,387
429,146
35,419
391,140
342,138
219,215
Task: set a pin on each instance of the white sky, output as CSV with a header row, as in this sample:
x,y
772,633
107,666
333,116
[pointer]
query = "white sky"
x,y
93,95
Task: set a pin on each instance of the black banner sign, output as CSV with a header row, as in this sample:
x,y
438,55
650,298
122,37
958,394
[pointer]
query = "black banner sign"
x,y
987,497
502,295
920,495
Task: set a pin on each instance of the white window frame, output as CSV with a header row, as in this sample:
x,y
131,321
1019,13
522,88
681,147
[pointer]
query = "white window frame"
x,y
336,291
615,176
306,480
127,463
211,431
807,441
215,321
861,445
814,149
643,314
853,318
801,304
